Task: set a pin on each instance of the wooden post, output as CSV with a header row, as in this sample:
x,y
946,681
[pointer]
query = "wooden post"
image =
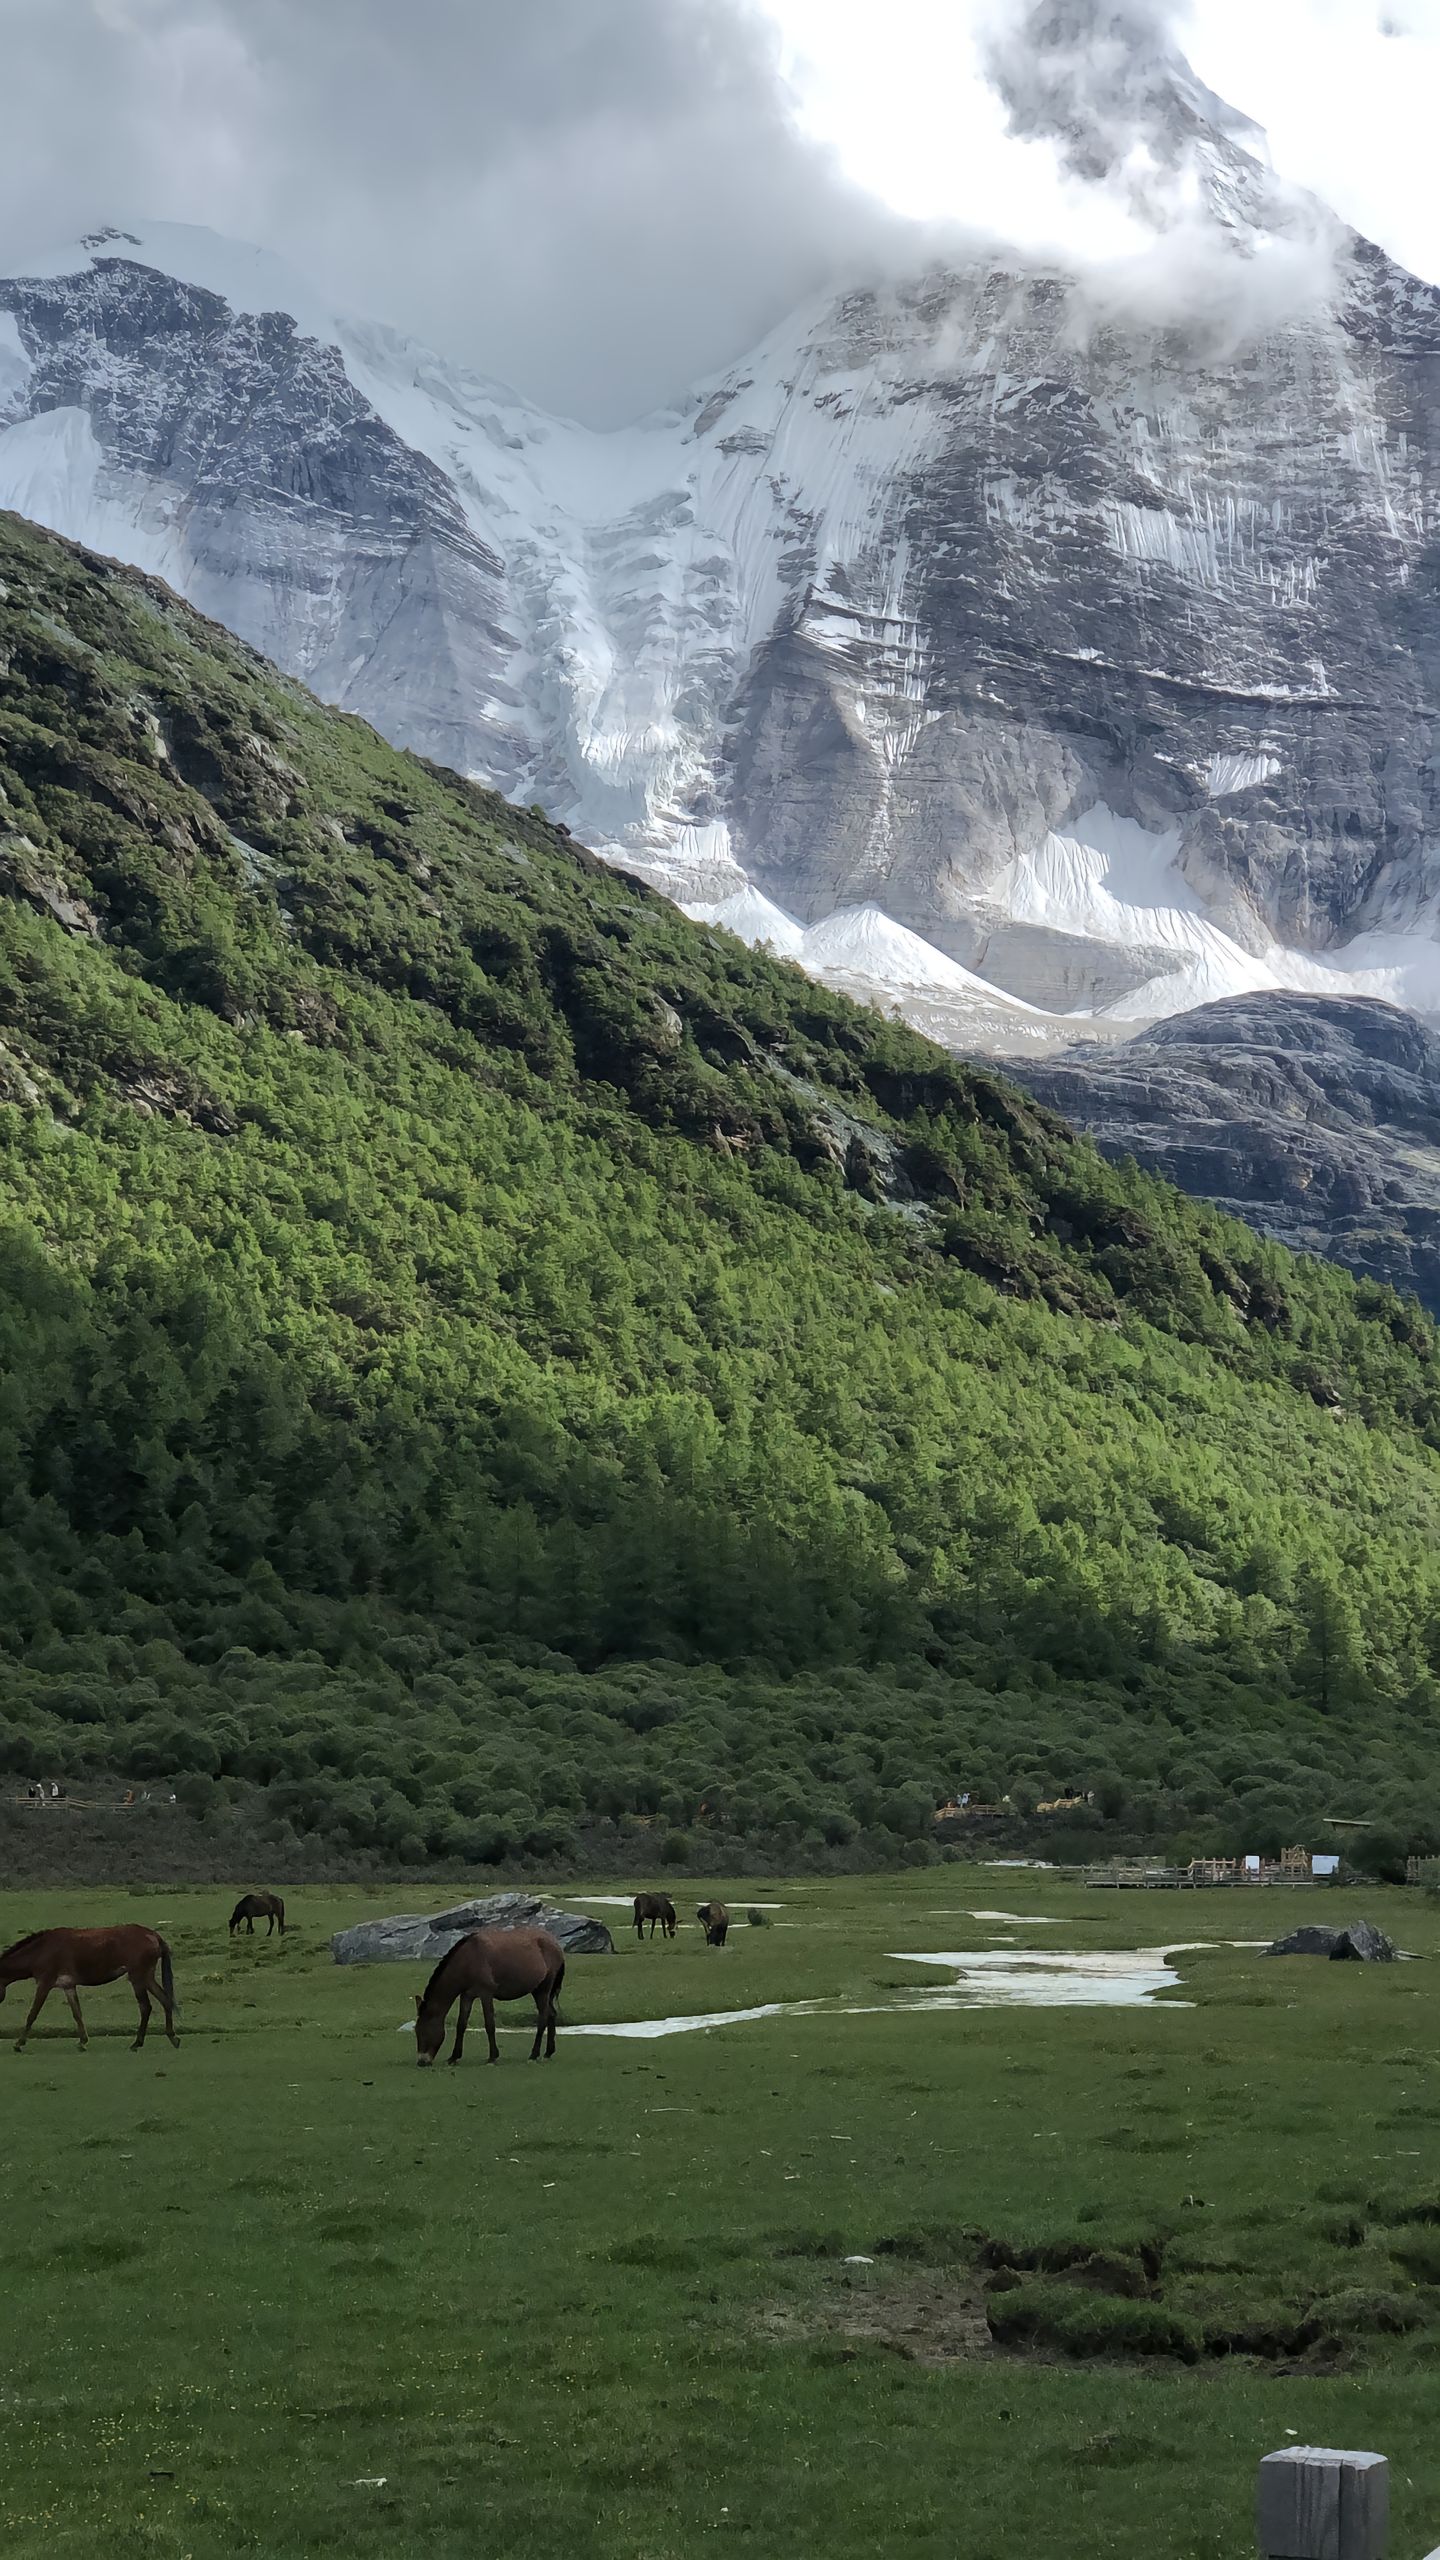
x,y
1315,2504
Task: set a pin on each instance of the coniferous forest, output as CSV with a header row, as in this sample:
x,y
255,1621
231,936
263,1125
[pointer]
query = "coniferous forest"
x,y
485,1360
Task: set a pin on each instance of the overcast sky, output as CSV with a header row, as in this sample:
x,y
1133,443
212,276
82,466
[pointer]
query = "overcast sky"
x,y
601,200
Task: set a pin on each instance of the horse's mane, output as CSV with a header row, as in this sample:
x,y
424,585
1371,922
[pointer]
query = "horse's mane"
x,y
439,1969
31,1939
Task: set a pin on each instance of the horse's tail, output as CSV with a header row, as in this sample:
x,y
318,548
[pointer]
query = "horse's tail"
x,y
556,1982
167,1978
280,1914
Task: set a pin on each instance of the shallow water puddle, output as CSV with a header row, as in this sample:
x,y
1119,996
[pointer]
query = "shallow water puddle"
x,y
671,2026
1112,1978
708,2018
1015,1920
995,1978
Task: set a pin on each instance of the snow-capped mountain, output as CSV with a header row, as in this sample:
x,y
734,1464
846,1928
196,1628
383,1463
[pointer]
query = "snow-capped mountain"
x,y
1035,664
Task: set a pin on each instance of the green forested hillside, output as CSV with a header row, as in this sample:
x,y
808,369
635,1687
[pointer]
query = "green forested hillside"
x,y
486,1357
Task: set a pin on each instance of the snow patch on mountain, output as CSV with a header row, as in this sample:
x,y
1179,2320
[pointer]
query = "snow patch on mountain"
x,y
15,366
1013,675
865,954
1114,885
1226,775
53,471
863,942
754,919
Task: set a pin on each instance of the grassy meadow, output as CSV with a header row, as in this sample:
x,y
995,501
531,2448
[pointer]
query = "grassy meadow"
x,y
282,2293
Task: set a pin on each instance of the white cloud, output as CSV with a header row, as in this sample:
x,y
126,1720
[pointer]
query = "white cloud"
x,y
605,199
1350,110
600,199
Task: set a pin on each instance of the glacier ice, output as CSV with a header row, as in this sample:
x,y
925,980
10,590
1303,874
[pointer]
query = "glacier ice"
x,y
1035,680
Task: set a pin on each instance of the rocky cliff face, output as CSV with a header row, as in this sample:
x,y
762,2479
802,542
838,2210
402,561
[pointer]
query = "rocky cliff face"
x,y
1316,1119
232,453
1101,656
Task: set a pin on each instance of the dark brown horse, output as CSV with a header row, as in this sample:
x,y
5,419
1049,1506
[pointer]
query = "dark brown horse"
x,y
258,1906
714,1919
62,1959
653,1907
491,1965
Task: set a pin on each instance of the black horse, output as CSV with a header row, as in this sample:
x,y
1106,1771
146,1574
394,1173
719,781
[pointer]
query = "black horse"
x,y
258,1906
653,1907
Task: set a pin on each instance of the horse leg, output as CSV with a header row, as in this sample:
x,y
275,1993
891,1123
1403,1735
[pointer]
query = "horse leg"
x,y
141,1989
70,1994
487,2007
462,2021
42,1994
551,2007
539,1999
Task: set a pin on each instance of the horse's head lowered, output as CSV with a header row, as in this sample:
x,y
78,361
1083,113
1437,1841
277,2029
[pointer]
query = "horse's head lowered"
x,y
429,2030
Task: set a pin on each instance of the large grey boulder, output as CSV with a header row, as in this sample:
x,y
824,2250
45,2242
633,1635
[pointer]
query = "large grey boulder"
x,y
1358,1943
407,1939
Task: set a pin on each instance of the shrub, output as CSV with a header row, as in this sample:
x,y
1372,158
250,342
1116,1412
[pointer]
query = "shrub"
x,y
1088,2324
1361,2312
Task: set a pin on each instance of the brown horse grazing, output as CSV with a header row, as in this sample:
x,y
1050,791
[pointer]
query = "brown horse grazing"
x,y
714,1919
61,1959
258,1906
653,1907
491,1965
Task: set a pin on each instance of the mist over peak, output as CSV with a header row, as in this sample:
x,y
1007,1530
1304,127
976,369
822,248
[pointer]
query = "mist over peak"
x,y
608,200
1107,82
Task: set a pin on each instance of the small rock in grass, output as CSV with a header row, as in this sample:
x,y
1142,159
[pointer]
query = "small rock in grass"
x,y
1359,1943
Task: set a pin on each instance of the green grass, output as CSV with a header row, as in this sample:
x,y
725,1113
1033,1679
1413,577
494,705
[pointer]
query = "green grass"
x,y
602,2307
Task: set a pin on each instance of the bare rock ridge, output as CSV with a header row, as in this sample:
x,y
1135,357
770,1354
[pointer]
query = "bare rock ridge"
x,y
1316,1119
